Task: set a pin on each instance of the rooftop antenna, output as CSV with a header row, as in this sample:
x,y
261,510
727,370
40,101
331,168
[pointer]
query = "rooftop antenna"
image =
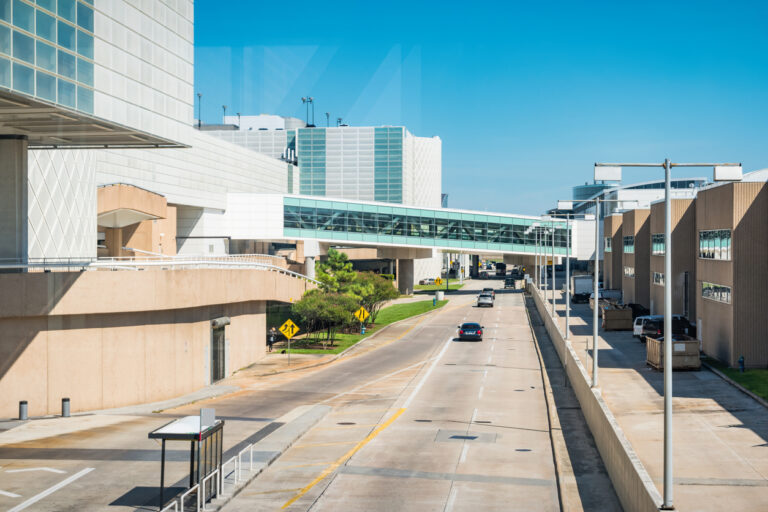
x,y
327,119
338,121
238,120
224,117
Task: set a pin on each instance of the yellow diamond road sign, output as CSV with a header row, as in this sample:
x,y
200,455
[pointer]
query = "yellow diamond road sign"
x,y
289,329
438,281
361,314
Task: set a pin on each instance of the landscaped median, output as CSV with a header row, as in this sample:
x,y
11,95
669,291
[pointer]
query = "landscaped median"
x,y
388,315
453,284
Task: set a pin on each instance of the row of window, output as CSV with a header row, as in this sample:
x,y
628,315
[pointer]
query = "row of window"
x,y
715,244
25,15
629,272
607,244
658,244
27,80
658,278
385,224
45,56
716,292
629,244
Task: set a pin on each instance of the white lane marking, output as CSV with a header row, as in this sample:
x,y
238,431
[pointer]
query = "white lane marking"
x,y
465,448
492,347
424,378
50,470
376,380
489,358
480,394
451,500
9,494
50,490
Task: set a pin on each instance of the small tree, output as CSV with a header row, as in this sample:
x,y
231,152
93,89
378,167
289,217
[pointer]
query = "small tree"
x,y
326,312
374,291
335,274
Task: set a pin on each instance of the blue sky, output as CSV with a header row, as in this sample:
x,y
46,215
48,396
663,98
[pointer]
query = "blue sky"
x,y
525,96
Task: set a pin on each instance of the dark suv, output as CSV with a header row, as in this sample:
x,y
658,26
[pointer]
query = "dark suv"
x,y
655,328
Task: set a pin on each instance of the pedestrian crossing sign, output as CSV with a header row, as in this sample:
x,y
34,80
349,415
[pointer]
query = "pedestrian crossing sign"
x,y
289,329
361,314
438,281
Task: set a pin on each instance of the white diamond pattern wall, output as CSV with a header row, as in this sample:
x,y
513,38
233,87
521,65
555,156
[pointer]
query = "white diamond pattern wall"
x,y
62,204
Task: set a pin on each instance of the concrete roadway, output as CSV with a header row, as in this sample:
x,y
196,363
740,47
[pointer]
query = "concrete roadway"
x,y
433,423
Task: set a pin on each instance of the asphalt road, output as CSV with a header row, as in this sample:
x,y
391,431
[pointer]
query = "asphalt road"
x,y
434,424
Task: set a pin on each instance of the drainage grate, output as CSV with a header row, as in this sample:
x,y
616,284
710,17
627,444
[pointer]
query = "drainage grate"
x,y
346,423
522,450
423,421
460,436
483,421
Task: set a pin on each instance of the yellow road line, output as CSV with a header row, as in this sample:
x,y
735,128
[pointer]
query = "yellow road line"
x,y
309,445
341,460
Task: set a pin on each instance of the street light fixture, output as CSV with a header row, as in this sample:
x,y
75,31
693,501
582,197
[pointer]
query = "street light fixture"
x,y
199,110
722,172
307,100
596,287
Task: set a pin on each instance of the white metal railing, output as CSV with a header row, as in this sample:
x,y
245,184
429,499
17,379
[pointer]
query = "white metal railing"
x,y
196,489
220,474
210,478
172,506
71,265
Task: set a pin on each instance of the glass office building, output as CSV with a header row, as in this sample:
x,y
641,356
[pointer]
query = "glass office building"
x,y
335,220
46,50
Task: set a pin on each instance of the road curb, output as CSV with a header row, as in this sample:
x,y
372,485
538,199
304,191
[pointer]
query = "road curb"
x,y
348,349
735,384
295,424
555,428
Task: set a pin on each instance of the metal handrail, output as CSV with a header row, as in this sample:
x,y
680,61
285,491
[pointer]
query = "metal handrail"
x,y
235,474
173,505
209,478
189,491
144,264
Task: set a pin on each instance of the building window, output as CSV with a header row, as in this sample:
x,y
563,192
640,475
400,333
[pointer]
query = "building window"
x,y
629,244
658,278
607,245
657,243
629,272
715,244
716,292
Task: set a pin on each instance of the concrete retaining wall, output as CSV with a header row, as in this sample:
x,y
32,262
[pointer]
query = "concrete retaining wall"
x,y
631,481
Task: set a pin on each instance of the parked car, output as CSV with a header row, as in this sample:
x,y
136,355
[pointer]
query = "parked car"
x,y
485,299
491,291
471,331
655,327
639,324
638,310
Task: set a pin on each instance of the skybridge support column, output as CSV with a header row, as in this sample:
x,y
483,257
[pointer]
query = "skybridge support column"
x,y
14,202
405,276
474,266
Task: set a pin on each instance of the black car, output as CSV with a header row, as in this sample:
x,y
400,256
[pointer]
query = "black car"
x,y
655,327
471,331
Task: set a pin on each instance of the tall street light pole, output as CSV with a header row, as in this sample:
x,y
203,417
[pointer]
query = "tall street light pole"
x,y
199,110
722,172
553,268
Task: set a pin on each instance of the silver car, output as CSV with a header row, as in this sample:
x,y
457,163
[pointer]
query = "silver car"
x,y
485,299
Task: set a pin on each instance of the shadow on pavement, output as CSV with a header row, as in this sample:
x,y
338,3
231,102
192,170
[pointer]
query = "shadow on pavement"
x,y
592,482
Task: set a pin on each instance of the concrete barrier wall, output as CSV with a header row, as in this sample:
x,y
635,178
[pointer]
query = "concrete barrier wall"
x,y
631,481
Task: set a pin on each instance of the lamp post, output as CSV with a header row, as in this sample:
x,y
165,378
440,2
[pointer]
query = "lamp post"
x,y
224,115
327,119
722,172
199,110
553,269
307,100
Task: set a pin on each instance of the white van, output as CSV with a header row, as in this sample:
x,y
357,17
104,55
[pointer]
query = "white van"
x,y
637,326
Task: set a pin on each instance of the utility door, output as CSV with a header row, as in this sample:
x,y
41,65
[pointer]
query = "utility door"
x,y
218,353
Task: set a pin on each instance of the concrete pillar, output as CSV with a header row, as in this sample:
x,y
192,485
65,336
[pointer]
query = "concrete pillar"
x,y
309,266
14,202
405,276
391,267
474,269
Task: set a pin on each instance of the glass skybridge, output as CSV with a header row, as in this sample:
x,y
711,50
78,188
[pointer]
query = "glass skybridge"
x,y
378,224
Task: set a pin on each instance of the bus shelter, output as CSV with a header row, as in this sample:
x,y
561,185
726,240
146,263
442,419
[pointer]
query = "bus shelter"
x,y
205,436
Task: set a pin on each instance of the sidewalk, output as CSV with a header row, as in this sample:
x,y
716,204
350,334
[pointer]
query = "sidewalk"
x,y
720,434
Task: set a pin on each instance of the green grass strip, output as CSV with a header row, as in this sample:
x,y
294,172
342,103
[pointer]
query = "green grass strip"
x,y
387,315
755,379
